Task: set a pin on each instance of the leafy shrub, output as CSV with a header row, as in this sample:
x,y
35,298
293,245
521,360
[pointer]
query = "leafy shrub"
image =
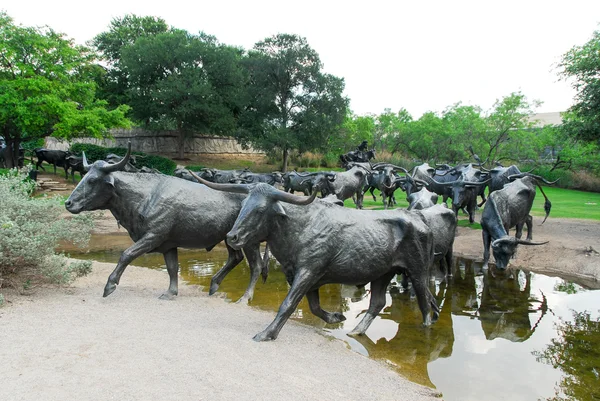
x,y
33,144
195,167
92,152
162,164
95,152
30,229
330,160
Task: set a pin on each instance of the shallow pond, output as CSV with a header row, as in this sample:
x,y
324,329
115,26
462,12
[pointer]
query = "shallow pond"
x,y
495,339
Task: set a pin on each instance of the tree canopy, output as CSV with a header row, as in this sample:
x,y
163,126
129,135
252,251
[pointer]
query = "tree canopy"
x,y
184,83
46,88
293,104
582,65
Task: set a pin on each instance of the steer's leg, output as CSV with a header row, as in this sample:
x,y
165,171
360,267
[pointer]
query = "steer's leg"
x,y
234,258
144,245
529,223
255,262
487,241
425,300
378,290
315,308
303,281
173,269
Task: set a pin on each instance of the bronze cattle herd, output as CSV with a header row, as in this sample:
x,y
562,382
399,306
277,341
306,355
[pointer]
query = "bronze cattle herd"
x,y
315,239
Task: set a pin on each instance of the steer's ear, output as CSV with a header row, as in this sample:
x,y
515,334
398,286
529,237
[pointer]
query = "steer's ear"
x,y
109,179
279,210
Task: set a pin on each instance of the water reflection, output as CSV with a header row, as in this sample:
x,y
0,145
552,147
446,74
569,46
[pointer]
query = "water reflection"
x,y
576,351
484,339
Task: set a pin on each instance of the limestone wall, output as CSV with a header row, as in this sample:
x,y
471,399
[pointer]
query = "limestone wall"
x,y
161,142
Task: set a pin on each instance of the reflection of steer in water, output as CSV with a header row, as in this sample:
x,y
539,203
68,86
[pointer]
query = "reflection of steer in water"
x,y
505,209
319,243
162,213
506,308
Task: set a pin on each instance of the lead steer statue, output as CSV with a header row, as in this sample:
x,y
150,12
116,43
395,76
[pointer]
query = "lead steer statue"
x,y
162,213
507,208
318,242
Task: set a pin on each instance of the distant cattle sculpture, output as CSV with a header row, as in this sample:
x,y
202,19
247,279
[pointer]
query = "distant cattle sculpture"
x,y
248,177
318,242
421,199
384,179
465,190
75,163
507,208
350,184
54,157
162,213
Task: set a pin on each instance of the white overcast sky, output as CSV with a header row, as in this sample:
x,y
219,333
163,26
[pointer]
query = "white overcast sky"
x,y
420,55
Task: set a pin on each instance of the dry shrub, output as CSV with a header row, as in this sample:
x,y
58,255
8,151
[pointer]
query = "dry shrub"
x,y
585,181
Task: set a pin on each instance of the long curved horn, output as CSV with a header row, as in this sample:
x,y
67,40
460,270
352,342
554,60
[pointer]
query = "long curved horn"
x,y
237,188
445,184
293,199
86,166
525,242
514,240
109,168
537,177
419,181
477,183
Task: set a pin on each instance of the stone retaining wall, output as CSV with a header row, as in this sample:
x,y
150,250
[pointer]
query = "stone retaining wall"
x,y
161,142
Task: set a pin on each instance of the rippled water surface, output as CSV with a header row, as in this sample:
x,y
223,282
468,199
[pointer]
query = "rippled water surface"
x,y
495,339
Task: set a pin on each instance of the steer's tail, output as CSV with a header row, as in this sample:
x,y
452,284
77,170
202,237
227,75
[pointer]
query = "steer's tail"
x,y
264,272
547,203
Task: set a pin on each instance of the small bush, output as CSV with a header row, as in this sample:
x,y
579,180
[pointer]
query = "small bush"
x,y
195,167
330,160
95,152
92,152
30,229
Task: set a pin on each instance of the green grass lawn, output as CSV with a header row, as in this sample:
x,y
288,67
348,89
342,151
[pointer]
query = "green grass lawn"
x,y
566,203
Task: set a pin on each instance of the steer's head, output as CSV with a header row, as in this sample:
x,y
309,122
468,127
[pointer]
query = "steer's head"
x,y
505,247
260,207
96,188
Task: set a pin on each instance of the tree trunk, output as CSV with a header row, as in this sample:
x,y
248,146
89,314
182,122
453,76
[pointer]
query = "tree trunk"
x,y
181,147
10,160
286,156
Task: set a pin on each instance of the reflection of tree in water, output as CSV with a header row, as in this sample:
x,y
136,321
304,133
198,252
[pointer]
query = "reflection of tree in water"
x,y
413,346
576,352
505,307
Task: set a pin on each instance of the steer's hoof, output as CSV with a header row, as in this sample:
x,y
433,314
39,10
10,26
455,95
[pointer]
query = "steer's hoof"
x,y
244,300
109,289
213,288
354,333
336,317
167,296
264,336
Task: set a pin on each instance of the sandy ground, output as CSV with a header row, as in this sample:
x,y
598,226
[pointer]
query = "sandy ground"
x,y
72,344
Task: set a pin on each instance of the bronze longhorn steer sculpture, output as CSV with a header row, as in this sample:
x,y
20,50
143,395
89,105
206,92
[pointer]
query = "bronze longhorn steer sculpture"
x,y
507,208
318,243
162,213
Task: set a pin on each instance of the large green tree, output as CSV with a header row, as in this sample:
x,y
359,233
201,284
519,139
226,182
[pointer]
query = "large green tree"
x,y
507,119
293,104
581,64
185,83
46,88
122,32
